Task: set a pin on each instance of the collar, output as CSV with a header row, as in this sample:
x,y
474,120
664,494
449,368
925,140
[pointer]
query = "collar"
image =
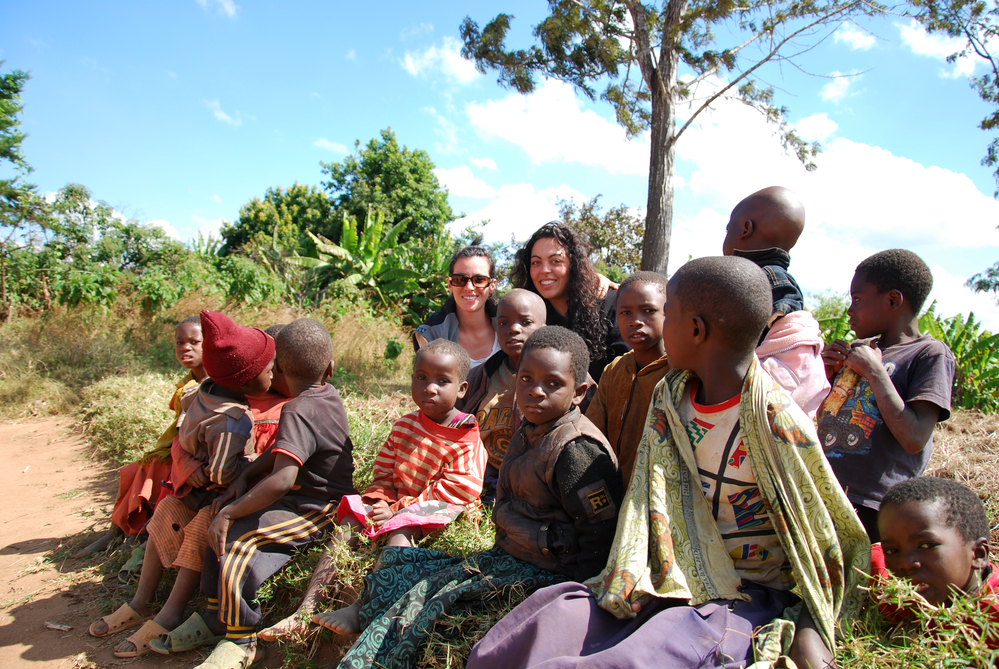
x,y
532,431
766,257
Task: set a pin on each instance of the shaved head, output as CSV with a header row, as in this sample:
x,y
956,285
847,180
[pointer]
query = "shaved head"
x,y
772,217
527,302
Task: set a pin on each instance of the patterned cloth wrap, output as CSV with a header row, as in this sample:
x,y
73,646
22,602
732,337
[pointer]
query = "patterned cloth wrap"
x,y
415,587
430,515
669,545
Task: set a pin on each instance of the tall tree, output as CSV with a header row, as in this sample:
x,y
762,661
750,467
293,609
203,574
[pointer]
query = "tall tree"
x,y
20,205
614,236
390,178
638,49
292,211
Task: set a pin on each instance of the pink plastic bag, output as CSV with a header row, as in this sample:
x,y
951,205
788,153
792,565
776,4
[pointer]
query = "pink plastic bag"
x,y
430,515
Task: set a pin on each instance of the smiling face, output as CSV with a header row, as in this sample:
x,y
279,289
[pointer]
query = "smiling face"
x,y
546,389
550,269
187,345
468,297
640,317
436,386
870,311
919,546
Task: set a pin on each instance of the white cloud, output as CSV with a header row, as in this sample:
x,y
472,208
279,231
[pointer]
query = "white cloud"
x,y
206,226
215,198
518,210
816,128
226,7
446,130
839,87
953,297
860,200
937,46
484,163
550,125
333,147
216,110
351,54
857,39
462,183
165,226
445,59
414,31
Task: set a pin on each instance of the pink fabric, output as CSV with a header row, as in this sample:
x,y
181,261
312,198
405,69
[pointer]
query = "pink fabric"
x,y
430,515
792,355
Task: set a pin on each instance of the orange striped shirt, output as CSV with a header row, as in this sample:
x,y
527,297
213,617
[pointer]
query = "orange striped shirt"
x,y
422,460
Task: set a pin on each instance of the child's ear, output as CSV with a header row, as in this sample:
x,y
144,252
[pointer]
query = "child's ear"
x,y
328,372
895,298
462,389
699,329
580,393
746,229
980,551
277,367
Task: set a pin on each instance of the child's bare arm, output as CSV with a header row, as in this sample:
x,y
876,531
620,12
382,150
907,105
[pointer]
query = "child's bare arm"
x,y
833,356
807,650
912,423
265,493
262,465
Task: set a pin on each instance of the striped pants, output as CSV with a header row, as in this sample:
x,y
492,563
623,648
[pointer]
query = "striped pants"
x,y
257,546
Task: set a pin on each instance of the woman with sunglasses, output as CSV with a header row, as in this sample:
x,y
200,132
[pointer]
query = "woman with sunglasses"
x,y
555,264
467,316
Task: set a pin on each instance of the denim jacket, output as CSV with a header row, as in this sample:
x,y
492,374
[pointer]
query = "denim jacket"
x,y
787,295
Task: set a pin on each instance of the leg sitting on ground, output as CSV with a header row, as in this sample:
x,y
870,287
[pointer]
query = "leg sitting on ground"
x,y
297,624
102,542
149,579
172,613
345,621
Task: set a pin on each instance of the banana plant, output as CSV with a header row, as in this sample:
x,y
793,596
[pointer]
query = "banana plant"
x,y
976,353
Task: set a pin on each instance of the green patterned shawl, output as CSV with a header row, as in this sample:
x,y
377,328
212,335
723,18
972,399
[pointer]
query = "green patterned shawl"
x,y
669,545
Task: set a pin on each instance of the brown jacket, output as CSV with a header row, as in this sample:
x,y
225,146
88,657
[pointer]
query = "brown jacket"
x,y
622,403
537,520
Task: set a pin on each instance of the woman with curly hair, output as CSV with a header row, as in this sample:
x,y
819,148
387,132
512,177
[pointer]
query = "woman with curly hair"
x,y
555,264
467,316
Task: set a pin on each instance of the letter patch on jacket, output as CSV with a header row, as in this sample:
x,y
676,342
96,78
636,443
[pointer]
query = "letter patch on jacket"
x,y
597,502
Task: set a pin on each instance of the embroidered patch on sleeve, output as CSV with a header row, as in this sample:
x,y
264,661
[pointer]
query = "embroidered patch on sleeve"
x,y
597,502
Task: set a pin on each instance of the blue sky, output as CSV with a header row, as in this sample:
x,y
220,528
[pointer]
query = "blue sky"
x,y
179,113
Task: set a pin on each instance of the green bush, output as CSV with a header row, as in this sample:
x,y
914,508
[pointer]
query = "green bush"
x,y
976,353
124,415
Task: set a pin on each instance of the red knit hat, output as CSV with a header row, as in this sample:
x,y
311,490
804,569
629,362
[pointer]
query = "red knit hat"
x,y
233,355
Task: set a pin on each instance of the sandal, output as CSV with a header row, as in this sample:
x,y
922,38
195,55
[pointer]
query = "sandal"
x,y
141,639
132,566
122,619
228,655
193,633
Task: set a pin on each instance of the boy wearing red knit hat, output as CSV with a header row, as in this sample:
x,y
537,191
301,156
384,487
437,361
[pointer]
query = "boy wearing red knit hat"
x,y
211,449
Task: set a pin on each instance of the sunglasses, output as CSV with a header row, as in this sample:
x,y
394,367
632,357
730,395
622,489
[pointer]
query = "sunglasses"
x,y
459,280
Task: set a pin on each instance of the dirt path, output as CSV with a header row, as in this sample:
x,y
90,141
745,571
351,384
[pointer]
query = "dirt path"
x,y
53,496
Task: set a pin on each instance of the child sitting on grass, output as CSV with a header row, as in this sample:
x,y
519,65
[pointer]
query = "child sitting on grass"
x,y
428,471
252,536
492,386
891,387
732,514
622,400
934,533
764,228
210,449
559,491
140,484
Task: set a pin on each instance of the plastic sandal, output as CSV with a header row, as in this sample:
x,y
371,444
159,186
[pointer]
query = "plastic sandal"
x,y
132,566
192,633
122,619
141,639
228,655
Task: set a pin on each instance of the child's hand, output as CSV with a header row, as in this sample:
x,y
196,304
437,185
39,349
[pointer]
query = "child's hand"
x,y
235,490
865,360
199,478
380,513
639,603
217,531
833,357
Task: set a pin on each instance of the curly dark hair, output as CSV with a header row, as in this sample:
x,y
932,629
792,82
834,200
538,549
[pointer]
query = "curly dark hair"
x,y
566,341
901,270
586,316
964,510
304,349
447,347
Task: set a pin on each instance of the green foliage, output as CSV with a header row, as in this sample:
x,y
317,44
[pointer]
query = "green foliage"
x,y
281,218
615,236
636,50
393,179
986,281
123,416
829,309
976,352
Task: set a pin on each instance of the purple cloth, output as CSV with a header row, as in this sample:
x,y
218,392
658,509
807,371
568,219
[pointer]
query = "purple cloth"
x,y
561,627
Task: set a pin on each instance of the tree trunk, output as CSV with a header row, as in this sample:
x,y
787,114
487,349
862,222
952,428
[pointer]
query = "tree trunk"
x,y
659,211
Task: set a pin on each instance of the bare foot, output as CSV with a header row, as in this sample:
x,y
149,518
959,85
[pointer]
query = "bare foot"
x,y
125,646
294,626
345,622
101,544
